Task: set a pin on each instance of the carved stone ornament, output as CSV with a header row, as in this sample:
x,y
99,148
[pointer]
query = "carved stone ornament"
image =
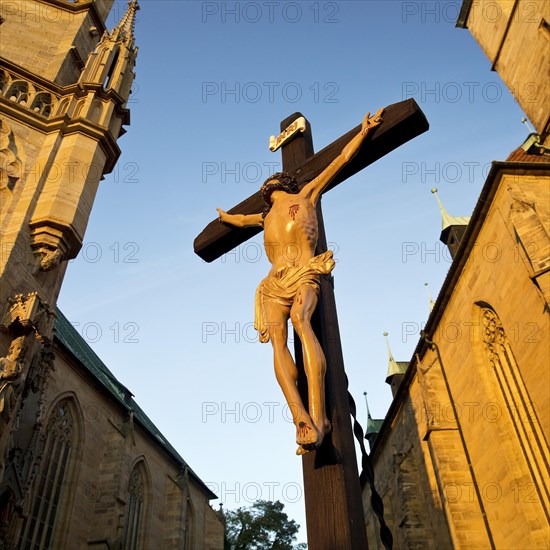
x,y
493,333
49,259
519,206
49,246
41,366
11,151
12,375
29,313
494,336
22,456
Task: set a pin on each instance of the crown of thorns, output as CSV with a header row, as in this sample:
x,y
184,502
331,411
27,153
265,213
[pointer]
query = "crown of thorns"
x,y
280,181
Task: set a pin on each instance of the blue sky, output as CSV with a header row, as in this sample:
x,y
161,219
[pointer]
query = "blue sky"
x,y
213,81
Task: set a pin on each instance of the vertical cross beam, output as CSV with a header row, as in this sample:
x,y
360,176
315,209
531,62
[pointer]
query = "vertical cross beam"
x,y
334,508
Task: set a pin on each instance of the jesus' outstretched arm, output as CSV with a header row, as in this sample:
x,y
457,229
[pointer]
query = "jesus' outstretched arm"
x,y
315,188
241,220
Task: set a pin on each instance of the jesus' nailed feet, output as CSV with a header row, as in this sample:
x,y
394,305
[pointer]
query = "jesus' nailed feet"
x,y
308,437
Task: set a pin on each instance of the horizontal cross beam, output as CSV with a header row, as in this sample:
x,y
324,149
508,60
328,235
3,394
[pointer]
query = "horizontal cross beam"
x,y
402,122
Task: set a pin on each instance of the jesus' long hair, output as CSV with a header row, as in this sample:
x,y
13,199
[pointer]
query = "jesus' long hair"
x,y
280,181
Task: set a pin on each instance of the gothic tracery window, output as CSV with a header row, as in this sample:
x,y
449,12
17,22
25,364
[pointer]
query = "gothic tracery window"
x,y
19,92
43,104
189,540
133,519
4,81
521,410
38,528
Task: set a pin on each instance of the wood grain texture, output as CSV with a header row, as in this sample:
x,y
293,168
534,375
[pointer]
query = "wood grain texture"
x,y
401,122
334,509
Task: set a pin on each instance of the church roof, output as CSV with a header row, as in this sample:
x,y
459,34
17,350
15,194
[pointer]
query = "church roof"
x,y
72,341
373,425
394,367
446,219
530,151
79,348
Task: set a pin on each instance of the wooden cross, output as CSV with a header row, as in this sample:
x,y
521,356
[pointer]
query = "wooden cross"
x,y
334,509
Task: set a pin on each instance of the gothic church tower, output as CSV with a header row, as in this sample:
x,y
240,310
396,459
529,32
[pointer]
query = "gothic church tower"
x,y
64,84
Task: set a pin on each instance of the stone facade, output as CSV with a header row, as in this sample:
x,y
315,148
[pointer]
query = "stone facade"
x,y
112,449
515,36
462,458
81,465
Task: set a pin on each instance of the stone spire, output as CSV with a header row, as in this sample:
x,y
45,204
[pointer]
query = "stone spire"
x,y
111,64
124,31
452,227
432,303
396,370
59,219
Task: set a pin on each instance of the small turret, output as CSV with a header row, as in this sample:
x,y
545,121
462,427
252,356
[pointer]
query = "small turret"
x,y
453,227
396,369
97,112
111,64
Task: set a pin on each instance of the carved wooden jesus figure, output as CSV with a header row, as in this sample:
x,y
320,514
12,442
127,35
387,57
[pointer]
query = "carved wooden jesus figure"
x,y
292,286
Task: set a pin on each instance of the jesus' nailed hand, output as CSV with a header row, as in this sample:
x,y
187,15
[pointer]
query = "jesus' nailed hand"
x,y
291,289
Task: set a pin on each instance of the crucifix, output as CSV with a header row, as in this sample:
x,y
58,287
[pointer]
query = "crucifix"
x,y
298,283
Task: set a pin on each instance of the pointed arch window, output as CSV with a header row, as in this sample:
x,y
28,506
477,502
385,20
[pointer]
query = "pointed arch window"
x,y
112,68
7,507
189,541
19,92
38,529
520,408
43,104
133,521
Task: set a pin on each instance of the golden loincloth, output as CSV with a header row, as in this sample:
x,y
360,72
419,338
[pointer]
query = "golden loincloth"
x,y
284,284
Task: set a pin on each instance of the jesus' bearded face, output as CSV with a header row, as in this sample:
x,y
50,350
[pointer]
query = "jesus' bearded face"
x,y
280,181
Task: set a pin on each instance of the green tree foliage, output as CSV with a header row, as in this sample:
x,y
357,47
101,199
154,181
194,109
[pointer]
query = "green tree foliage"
x,y
262,526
